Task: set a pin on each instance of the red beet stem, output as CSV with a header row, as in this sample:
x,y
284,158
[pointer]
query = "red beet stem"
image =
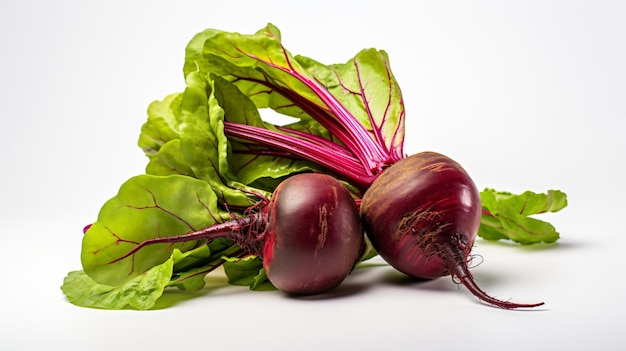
x,y
458,267
246,231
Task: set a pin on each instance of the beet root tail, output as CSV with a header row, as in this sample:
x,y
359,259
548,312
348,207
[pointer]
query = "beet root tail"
x,y
459,269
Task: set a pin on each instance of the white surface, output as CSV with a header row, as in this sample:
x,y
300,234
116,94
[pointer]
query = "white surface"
x,y
524,94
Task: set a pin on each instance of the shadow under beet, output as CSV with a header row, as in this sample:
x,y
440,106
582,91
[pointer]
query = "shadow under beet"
x,y
397,278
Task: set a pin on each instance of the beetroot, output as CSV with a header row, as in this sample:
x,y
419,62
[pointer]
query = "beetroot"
x,y
309,235
422,215
315,234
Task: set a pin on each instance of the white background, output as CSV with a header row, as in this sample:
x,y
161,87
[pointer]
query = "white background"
x,y
525,94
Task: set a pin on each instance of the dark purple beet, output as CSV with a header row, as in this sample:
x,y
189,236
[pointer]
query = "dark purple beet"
x,y
422,215
309,235
314,236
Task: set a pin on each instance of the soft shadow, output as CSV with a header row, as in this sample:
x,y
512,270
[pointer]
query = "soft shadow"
x,y
368,265
175,296
172,297
346,289
397,278
559,245
358,281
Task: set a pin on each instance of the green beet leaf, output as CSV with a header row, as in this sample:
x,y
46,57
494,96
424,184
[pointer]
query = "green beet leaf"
x,y
160,138
507,216
184,270
194,56
140,293
169,160
247,271
146,207
254,63
162,124
204,145
192,266
366,86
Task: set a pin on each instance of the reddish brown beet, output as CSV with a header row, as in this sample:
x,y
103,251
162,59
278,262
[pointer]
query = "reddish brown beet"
x,y
422,215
